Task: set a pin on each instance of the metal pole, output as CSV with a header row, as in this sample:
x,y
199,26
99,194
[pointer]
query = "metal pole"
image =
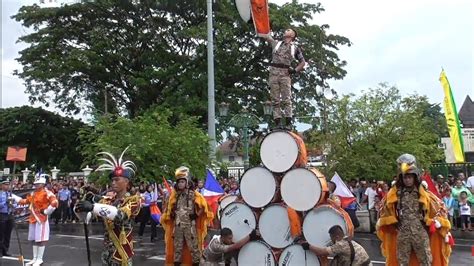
x,y
211,117
246,147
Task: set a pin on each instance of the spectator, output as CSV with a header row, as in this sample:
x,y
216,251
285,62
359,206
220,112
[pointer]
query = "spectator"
x,y
465,211
449,203
200,186
456,191
462,177
451,180
470,183
234,188
64,197
369,196
145,215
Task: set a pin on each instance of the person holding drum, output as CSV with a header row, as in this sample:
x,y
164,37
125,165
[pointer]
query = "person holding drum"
x,y
284,52
413,225
344,251
222,245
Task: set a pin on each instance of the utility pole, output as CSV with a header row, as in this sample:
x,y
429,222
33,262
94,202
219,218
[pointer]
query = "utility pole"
x,y
211,116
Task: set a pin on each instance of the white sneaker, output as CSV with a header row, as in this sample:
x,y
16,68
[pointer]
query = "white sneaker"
x,y
38,262
31,262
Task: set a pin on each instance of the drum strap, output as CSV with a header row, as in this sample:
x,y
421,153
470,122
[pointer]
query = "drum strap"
x,y
352,250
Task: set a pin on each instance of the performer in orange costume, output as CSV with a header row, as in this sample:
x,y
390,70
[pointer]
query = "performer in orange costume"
x,y
432,214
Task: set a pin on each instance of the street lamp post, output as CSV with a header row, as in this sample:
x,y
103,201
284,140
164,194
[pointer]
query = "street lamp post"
x,y
243,120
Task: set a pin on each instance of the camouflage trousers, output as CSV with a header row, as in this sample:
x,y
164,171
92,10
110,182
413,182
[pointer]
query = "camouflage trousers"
x,y
280,93
414,240
115,263
186,233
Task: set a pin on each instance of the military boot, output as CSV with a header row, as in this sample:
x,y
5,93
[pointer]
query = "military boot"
x,y
289,123
276,123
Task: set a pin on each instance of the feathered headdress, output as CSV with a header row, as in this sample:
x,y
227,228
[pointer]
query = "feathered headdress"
x,y
118,168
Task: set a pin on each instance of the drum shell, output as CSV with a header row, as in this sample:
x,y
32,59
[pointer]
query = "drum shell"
x,y
223,202
254,185
324,185
300,188
288,259
277,160
275,226
234,219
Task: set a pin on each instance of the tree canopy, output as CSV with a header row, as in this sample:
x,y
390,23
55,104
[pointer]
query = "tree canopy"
x,y
366,134
137,54
156,146
51,139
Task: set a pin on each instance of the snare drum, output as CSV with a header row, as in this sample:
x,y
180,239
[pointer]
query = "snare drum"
x,y
294,255
317,223
256,253
274,226
223,202
258,187
282,150
302,189
239,218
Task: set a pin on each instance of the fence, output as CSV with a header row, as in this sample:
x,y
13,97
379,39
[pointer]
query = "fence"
x,y
452,168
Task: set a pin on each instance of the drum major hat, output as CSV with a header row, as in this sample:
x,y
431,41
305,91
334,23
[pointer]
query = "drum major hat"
x,y
182,172
117,167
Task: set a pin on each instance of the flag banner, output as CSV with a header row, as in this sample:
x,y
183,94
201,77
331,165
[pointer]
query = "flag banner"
x,y
431,186
452,119
154,210
342,191
261,17
244,8
212,191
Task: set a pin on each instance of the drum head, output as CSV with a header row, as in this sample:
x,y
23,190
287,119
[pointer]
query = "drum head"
x,y
294,255
256,253
239,218
257,187
274,226
279,151
223,202
317,222
300,189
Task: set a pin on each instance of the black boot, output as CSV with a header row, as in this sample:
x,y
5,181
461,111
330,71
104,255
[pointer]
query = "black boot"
x,y
196,264
277,123
177,263
289,123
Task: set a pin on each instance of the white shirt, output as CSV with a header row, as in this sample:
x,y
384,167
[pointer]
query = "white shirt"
x,y
465,208
470,182
371,193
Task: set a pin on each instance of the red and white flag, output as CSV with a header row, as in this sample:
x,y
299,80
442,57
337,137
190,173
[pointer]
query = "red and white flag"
x,y
342,191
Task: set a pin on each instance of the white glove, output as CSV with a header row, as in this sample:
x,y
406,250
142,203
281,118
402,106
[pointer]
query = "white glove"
x,y
49,210
437,224
104,210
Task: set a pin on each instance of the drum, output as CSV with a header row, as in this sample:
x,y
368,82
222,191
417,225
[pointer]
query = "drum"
x,y
282,150
274,226
294,255
258,187
302,189
223,202
256,253
317,222
239,218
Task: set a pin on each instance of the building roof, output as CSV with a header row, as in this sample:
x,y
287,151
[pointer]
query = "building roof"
x,y
466,113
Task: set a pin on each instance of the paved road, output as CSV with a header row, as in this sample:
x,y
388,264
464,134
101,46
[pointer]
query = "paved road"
x,y
67,247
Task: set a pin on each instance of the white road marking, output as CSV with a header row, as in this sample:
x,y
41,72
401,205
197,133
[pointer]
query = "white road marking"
x,y
161,257
80,237
14,258
457,245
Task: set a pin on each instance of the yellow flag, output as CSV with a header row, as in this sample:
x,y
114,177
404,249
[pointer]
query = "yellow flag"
x,y
452,119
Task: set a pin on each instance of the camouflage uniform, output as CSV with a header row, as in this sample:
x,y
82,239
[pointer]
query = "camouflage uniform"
x,y
279,80
120,229
341,251
214,253
185,228
411,231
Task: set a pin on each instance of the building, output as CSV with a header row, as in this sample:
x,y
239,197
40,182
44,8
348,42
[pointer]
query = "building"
x,y
466,117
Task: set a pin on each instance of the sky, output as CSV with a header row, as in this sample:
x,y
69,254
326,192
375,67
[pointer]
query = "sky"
x,y
404,43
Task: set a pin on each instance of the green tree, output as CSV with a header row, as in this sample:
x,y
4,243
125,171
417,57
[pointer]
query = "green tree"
x,y
366,134
140,53
156,146
49,137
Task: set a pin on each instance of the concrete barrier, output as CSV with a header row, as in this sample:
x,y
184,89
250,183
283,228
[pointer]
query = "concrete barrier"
x,y
364,221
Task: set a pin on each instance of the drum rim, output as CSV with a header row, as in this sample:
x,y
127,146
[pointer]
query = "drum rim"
x,y
329,206
259,227
265,244
274,193
263,140
219,208
319,183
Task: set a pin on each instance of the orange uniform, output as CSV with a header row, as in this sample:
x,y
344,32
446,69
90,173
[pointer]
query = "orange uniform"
x,y
39,201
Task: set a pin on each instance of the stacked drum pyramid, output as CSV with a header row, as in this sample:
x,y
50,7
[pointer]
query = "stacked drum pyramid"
x,y
278,199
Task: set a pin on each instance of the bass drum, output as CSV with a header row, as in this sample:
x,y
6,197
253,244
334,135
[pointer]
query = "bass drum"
x,y
274,226
258,187
239,218
302,189
283,150
318,221
256,253
295,255
223,202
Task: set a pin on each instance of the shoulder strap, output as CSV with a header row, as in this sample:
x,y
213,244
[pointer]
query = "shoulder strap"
x,y
352,250
277,46
293,50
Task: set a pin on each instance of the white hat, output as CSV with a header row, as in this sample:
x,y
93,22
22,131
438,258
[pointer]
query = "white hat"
x,y
40,179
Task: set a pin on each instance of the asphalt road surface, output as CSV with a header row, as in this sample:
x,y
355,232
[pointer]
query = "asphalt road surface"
x,y
67,247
